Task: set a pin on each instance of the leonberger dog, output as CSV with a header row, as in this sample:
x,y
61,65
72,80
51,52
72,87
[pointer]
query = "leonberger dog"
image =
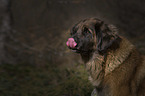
x,y
115,67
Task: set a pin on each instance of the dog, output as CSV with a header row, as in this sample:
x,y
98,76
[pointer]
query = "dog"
x,y
115,66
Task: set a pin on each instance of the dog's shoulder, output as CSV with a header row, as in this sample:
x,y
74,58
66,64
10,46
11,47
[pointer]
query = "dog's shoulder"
x,y
125,66
116,57
139,79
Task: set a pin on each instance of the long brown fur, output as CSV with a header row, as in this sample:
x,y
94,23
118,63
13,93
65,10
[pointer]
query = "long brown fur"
x,y
124,71
119,70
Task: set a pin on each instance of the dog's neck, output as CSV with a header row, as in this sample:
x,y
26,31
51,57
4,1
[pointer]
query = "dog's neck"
x,y
118,56
101,65
86,56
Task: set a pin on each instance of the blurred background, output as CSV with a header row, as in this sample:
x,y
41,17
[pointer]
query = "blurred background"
x,y
34,60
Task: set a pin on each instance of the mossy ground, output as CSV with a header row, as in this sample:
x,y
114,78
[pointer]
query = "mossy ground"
x,y
29,80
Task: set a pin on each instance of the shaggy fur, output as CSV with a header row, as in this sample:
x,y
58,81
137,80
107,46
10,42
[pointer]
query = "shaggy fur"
x,y
115,66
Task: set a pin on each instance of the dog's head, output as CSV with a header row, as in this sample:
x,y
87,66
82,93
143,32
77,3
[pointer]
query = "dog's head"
x,y
90,35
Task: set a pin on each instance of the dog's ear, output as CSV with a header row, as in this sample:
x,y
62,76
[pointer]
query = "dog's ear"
x,y
106,35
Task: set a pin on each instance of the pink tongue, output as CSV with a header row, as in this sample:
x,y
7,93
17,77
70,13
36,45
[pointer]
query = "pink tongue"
x,y
71,43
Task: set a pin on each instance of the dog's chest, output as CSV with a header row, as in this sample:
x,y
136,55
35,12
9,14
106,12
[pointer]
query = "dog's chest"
x,y
95,68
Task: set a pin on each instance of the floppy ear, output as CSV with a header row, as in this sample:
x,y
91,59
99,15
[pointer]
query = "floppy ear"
x,y
106,35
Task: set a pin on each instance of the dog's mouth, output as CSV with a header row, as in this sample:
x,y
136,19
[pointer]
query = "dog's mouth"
x,y
75,46
72,44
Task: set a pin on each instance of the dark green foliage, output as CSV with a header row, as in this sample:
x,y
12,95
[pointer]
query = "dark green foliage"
x,y
28,80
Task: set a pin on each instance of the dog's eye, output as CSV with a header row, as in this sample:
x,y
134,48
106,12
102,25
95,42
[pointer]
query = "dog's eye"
x,y
86,31
73,31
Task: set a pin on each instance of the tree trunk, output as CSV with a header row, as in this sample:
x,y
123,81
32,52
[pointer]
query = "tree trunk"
x,y
4,27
